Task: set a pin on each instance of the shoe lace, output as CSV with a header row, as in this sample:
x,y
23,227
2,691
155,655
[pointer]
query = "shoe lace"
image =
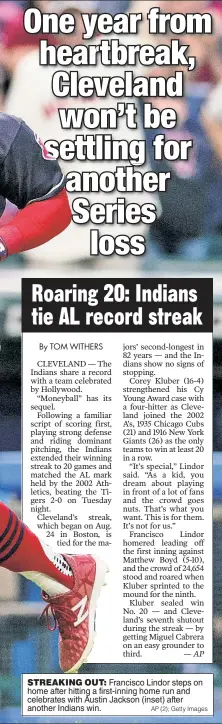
x,y
58,613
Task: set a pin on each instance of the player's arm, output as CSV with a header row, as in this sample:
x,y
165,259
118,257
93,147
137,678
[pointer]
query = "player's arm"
x,y
35,225
34,182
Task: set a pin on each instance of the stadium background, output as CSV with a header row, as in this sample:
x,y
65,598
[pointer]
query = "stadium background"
x,y
25,645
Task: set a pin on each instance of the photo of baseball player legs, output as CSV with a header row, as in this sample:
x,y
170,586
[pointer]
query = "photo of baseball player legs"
x,y
70,586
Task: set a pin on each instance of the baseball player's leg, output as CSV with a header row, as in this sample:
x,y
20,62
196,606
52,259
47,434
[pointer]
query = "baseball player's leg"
x,y
21,551
71,585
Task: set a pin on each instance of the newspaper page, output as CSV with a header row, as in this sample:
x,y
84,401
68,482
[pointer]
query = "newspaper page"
x,y
110,358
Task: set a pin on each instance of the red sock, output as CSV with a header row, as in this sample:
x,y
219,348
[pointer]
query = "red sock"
x,y
21,550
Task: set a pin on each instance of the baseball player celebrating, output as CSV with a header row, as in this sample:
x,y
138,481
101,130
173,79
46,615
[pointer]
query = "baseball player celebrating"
x,y
31,95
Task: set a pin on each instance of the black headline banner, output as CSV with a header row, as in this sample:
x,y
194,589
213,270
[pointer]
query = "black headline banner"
x,y
113,305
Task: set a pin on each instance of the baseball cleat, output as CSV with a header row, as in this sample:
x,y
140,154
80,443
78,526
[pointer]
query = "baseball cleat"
x,y
74,612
